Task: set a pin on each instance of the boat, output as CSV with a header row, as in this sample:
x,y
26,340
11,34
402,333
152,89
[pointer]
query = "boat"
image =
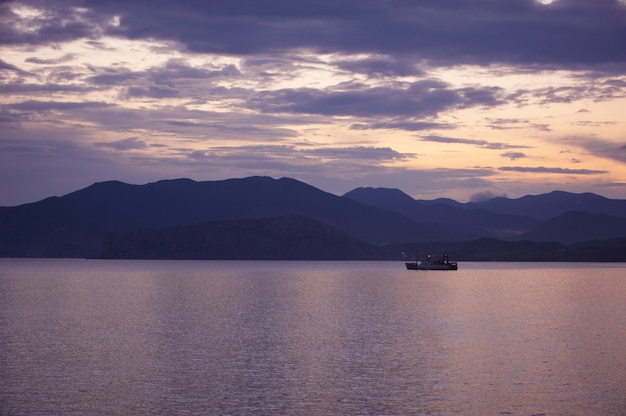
x,y
430,264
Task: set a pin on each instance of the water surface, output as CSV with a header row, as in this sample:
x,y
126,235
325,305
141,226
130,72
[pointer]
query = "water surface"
x,y
83,337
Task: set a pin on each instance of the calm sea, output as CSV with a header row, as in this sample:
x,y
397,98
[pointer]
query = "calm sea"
x,y
90,337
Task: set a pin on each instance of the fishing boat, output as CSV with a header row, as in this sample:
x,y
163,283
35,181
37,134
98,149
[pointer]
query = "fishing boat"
x,y
430,264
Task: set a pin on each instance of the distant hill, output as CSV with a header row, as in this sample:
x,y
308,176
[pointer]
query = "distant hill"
x,y
546,206
547,217
299,238
75,225
575,226
280,238
453,221
598,250
489,249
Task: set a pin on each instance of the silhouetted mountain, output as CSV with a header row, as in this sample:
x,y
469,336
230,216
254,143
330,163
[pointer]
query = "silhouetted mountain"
x,y
282,238
489,249
75,224
575,226
452,220
599,250
550,205
299,238
484,249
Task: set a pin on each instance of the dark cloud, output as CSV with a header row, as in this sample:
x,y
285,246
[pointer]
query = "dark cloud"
x,y
513,155
358,64
361,153
602,148
132,143
407,125
44,107
35,89
5,66
172,71
8,118
206,125
151,92
113,77
515,124
564,33
334,170
382,67
358,155
179,69
542,169
59,22
586,86
620,153
55,61
587,123
265,159
172,120
598,147
475,142
419,99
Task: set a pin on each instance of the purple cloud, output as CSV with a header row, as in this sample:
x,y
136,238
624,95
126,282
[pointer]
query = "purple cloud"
x,y
455,31
132,143
475,142
513,155
541,169
419,99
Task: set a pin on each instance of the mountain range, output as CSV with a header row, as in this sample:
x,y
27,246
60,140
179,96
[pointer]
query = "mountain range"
x,y
262,217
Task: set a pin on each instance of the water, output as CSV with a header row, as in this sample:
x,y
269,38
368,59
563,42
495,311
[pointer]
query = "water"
x,y
85,337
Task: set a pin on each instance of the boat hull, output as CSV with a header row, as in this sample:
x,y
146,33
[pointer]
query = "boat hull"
x,y
432,266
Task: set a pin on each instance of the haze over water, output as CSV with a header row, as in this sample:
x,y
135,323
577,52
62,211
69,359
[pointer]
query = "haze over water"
x,y
310,338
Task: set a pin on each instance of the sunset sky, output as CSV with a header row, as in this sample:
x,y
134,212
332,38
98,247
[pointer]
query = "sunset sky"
x,y
439,98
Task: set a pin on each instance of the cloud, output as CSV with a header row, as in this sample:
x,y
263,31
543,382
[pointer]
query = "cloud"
x,y
48,106
151,92
5,66
380,154
475,142
583,87
588,123
455,31
32,22
41,61
381,66
541,169
43,89
600,147
131,143
358,155
176,69
515,124
485,196
175,78
608,150
419,99
513,155
113,77
306,87
335,170
407,125
620,153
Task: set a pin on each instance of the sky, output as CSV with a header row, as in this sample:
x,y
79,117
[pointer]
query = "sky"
x,y
465,99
